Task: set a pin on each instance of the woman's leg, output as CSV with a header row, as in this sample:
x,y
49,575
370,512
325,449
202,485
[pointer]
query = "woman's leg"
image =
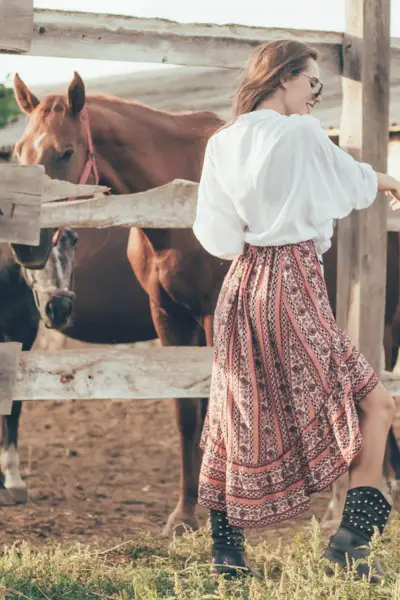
x,y
365,507
228,548
376,414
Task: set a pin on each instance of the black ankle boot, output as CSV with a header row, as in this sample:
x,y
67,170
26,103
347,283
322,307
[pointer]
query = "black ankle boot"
x,y
228,556
365,508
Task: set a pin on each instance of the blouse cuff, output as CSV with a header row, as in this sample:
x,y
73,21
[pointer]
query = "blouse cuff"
x,y
224,244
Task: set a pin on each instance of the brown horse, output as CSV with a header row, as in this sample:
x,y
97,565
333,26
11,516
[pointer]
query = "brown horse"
x,y
137,148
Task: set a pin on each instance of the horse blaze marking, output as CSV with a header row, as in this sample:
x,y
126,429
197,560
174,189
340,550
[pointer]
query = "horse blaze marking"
x,y
36,143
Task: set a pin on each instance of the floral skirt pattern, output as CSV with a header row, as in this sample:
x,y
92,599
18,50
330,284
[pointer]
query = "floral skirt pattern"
x,y
282,420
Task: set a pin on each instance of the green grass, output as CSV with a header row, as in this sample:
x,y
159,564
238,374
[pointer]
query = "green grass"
x,y
9,109
147,569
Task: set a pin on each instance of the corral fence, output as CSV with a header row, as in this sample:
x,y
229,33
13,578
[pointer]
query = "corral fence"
x,y
362,56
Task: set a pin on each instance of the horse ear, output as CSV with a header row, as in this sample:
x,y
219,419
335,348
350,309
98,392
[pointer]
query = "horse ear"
x,y
23,95
76,94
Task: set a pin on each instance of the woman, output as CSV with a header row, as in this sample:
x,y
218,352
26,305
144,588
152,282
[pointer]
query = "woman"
x,y
293,403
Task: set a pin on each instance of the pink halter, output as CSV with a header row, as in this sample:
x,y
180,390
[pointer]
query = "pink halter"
x,y
90,165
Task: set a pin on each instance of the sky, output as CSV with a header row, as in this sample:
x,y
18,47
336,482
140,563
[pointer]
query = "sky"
x,y
300,14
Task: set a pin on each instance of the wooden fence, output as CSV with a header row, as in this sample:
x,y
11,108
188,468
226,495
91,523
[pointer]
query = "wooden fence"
x,y
362,55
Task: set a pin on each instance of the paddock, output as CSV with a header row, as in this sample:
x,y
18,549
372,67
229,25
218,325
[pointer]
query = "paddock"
x,y
66,380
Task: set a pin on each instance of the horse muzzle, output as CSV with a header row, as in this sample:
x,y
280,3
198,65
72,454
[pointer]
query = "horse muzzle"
x,y
59,310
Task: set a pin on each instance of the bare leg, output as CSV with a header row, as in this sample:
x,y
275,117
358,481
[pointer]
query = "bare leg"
x,y
366,507
376,413
391,461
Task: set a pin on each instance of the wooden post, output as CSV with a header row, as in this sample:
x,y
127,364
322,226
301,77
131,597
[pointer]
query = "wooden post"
x,y
9,364
364,133
16,25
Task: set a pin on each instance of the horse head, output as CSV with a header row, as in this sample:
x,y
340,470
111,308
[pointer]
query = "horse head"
x,y
52,285
58,137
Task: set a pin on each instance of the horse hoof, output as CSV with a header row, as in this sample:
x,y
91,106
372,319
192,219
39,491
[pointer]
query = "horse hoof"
x,y
6,499
178,524
19,494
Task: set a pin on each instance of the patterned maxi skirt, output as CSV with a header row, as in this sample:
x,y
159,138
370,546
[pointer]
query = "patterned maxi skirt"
x,y
282,420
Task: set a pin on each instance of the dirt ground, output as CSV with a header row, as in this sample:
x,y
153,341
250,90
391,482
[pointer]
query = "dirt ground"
x,y
100,470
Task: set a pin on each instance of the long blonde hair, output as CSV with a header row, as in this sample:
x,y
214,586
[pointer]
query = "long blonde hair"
x,y
266,67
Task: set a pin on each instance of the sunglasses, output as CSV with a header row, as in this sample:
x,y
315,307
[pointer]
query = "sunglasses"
x,y
316,85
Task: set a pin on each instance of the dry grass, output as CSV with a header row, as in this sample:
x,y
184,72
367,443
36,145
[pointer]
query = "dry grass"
x,y
147,569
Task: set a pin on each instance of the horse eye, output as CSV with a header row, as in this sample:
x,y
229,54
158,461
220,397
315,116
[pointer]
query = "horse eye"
x,y
66,155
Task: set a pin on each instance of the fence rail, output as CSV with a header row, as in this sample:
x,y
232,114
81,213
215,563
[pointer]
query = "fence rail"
x,y
27,193
117,373
122,38
71,34
169,206
114,373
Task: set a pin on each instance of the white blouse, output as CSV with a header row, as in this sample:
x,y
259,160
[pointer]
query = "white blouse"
x,y
270,180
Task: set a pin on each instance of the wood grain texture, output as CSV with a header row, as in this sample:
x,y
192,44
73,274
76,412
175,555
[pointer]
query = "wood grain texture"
x,y
23,189
9,364
364,133
122,38
171,205
121,373
138,373
16,25
21,192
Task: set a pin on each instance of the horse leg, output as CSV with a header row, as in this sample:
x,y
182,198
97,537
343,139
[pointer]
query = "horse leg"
x,y
9,459
9,455
177,327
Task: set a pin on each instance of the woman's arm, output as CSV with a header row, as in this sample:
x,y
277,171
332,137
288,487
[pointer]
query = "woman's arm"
x,y
386,183
391,187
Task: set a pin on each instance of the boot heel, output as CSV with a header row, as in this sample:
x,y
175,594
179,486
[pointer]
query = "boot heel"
x,y
365,509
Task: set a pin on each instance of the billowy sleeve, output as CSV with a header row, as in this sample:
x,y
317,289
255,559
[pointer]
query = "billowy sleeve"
x,y
217,226
331,181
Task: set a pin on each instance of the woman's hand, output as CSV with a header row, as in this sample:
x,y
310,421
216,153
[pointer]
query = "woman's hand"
x,y
394,196
391,187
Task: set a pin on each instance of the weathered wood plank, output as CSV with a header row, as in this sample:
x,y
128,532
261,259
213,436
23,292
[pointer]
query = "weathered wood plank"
x,y
122,373
113,37
364,133
21,191
171,205
23,188
16,25
122,38
175,372
9,364
55,190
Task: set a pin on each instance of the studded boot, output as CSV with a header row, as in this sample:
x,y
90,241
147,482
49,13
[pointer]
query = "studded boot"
x,y
365,508
228,556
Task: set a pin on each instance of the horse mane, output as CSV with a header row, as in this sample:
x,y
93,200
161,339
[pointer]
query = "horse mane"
x,y
187,124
